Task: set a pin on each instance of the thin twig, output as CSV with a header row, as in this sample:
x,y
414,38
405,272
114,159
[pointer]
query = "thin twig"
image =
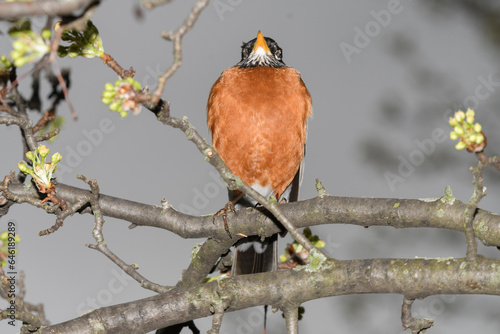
x,y
150,4
48,135
48,116
102,247
217,318
470,210
176,36
409,322
292,319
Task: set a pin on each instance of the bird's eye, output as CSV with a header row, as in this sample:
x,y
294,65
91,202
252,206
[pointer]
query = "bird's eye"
x,y
244,53
277,54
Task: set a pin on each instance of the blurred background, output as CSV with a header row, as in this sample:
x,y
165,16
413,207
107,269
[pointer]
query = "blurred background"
x,y
384,77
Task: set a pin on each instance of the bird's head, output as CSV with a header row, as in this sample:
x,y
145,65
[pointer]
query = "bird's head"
x,y
261,51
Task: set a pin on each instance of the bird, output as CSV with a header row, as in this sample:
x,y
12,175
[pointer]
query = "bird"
x,y
257,114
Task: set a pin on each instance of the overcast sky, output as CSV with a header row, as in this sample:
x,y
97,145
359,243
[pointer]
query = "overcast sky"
x,y
383,76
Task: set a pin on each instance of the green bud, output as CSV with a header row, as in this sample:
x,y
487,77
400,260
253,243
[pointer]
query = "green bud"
x,y
460,145
320,244
106,100
458,130
19,45
43,150
23,168
478,128
453,122
470,113
283,258
123,113
472,138
56,157
479,139
453,135
4,236
109,87
30,155
459,115
115,106
469,119
108,94
46,34
137,85
14,54
20,62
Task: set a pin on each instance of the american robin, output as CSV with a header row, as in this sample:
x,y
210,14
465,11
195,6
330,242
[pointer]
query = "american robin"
x,y
257,114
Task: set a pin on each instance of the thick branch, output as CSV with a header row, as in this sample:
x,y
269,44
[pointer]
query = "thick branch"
x,y
446,213
413,278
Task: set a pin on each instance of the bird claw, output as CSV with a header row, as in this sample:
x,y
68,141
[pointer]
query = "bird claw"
x,y
228,207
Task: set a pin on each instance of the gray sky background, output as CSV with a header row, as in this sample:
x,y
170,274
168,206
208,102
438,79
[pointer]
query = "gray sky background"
x,y
371,111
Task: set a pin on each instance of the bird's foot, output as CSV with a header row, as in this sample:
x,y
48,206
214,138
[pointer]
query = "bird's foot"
x,y
228,207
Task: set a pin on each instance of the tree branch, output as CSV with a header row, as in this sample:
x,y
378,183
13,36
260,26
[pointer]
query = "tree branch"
x,y
445,213
413,278
292,320
176,36
102,247
13,10
409,322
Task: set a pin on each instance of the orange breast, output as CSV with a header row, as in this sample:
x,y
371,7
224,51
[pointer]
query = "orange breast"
x,y
257,117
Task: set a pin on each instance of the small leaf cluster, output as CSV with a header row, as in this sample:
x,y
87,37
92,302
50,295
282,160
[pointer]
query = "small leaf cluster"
x,y
469,134
87,44
28,45
41,171
121,96
295,254
5,65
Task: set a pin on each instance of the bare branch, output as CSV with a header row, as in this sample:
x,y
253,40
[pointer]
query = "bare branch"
x,y
13,10
102,247
478,194
150,4
414,278
176,36
445,213
20,312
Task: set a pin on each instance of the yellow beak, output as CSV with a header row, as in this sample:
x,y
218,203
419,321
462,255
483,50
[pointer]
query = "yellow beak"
x,y
261,42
